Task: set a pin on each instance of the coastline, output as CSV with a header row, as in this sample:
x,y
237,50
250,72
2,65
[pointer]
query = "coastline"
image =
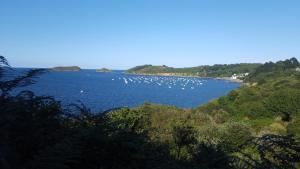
x,y
230,79
174,75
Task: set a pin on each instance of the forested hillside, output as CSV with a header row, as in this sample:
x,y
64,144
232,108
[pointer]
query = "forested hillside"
x,y
271,71
225,70
256,126
269,103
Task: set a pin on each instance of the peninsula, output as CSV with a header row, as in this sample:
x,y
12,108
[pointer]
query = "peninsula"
x,y
235,72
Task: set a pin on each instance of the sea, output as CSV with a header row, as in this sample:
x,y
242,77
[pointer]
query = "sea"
x,y
101,91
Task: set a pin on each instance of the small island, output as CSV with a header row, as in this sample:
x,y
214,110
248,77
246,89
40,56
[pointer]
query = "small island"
x,y
105,70
66,68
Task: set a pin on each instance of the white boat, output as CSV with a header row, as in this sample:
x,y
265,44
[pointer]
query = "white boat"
x,y
125,81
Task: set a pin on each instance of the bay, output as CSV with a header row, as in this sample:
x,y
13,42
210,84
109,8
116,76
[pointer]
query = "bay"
x,y
103,91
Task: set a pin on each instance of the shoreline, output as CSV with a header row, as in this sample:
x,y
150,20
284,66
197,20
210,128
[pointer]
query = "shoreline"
x,y
170,75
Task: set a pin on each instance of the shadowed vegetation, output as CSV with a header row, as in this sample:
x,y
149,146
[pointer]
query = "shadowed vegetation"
x,y
255,126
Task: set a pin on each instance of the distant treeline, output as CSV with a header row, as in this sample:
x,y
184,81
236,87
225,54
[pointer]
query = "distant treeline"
x,y
218,70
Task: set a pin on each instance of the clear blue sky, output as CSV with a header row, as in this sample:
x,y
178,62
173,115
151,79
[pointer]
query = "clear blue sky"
x,y
120,34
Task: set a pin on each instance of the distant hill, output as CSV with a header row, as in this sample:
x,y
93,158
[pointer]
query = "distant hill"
x,y
218,70
103,70
66,68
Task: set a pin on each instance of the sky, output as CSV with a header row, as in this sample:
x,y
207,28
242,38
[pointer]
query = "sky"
x,y
120,34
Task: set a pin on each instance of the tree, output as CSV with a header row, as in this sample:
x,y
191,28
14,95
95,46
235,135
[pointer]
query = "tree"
x,y
23,80
184,135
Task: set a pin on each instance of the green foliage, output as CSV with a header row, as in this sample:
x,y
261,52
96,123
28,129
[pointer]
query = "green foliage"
x,y
269,151
209,107
161,119
233,95
285,103
276,96
210,135
294,127
272,70
28,124
227,136
203,71
103,70
36,132
184,135
234,134
66,68
220,116
128,120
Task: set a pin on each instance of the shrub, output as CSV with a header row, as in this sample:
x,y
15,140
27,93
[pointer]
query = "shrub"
x,y
210,156
294,127
220,116
184,135
233,134
284,103
128,120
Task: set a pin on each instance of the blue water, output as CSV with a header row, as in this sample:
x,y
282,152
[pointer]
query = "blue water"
x,y
102,91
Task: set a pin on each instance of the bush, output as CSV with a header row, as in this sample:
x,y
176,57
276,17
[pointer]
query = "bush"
x,y
294,127
210,156
128,120
184,136
234,134
284,103
220,116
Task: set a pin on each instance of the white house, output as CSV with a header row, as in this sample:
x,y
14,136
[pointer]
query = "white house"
x,y
234,76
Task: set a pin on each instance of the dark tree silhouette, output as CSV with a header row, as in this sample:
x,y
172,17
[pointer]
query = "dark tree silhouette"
x,y
23,80
3,64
